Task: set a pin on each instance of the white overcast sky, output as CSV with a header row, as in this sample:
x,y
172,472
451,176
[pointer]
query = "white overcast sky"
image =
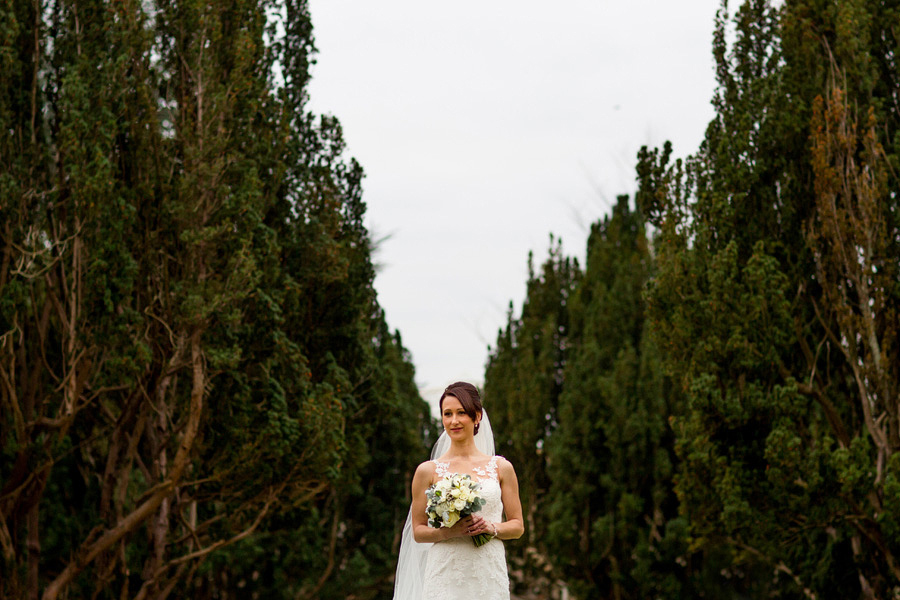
x,y
484,126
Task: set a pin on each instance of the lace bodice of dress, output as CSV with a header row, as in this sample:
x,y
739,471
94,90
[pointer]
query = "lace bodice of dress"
x,y
456,569
489,471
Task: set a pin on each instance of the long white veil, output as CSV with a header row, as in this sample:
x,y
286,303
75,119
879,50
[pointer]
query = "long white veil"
x,y
411,563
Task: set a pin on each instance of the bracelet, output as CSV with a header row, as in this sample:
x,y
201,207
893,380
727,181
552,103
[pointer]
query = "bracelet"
x,y
494,527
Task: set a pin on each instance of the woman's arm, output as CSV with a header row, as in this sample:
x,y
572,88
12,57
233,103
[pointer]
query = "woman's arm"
x,y
422,531
514,526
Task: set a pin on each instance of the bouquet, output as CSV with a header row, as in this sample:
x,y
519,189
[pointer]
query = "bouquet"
x,y
451,499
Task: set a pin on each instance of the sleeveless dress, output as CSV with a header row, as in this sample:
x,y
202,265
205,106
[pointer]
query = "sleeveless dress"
x,y
455,568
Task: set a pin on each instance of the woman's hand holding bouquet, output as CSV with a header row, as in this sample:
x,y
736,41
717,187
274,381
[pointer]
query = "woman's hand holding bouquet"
x,y
454,498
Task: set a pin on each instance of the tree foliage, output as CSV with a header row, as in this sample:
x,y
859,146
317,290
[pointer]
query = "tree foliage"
x,y
523,380
611,460
583,402
775,299
193,362
731,432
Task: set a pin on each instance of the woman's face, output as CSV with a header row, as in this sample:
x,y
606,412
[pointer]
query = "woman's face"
x,y
457,423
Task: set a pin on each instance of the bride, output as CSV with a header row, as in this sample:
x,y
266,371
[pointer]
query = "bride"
x,y
444,564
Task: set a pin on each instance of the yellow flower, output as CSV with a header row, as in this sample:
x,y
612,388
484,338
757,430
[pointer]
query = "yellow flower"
x,y
450,518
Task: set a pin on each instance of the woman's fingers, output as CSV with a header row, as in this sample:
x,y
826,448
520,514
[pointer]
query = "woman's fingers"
x,y
477,525
471,524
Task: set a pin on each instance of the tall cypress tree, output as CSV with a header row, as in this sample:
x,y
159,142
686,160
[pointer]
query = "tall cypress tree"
x,y
781,343
193,357
611,454
523,380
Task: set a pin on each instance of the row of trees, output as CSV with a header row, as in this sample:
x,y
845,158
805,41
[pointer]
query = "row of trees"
x,y
712,409
200,395
577,391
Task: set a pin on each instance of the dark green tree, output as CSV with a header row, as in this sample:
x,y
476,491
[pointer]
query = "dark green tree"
x,y
615,531
523,380
192,358
775,299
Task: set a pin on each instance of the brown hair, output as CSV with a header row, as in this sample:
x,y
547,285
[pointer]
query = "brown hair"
x,y
468,396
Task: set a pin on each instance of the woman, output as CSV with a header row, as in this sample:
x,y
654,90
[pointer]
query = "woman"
x,y
444,564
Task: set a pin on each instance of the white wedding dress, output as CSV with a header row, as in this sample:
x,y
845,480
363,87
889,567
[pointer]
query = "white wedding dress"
x,y
455,569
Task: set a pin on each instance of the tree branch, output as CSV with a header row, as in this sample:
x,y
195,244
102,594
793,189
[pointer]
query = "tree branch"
x,y
88,553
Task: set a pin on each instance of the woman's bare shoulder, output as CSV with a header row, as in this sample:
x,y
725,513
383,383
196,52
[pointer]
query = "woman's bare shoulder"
x,y
425,468
504,465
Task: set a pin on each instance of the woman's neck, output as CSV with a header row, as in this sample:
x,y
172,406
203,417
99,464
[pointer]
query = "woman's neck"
x,y
464,449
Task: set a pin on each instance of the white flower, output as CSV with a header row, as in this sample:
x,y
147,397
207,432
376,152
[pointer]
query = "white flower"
x,y
451,496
